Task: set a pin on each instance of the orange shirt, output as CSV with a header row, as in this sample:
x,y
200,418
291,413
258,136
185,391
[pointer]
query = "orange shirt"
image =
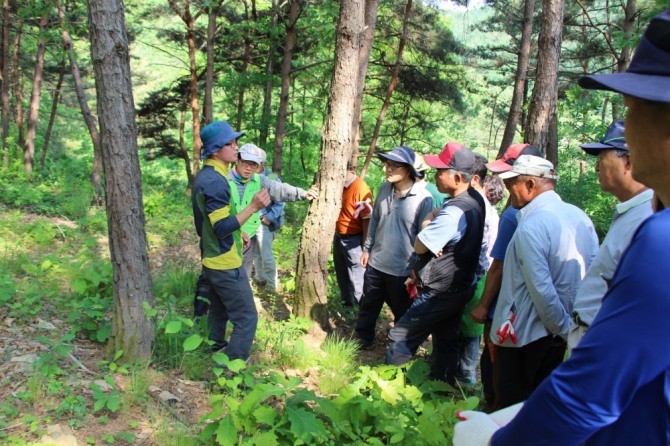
x,y
356,192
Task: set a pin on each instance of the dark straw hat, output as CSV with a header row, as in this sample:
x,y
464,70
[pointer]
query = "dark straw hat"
x,y
648,75
613,140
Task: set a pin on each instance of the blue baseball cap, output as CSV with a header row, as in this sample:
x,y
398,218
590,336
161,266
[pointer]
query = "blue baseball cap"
x,y
613,140
648,75
404,155
216,135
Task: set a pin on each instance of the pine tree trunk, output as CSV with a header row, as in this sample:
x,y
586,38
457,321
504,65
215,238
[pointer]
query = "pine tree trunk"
x,y
34,111
189,20
391,89
545,92
52,115
16,80
338,135
371,7
207,116
520,78
132,330
4,81
90,120
285,86
269,68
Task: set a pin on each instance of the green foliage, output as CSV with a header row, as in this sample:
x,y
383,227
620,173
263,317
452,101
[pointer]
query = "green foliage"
x,y
281,341
383,405
110,401
337,365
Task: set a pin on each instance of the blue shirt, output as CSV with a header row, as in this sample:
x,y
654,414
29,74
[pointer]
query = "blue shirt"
x,y
506,227
627,217
274,212
615,388
547,258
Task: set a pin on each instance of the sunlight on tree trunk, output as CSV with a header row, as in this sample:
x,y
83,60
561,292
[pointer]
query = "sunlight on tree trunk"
x,y
545,92
371,7
282,114
338,134
4,80
132,330
520,78
90,120
16,80
391,89
34,111
52,115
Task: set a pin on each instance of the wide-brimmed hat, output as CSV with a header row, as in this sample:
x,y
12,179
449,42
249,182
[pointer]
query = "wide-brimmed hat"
x,y
505,162
251,152
648,75
453,156
216,135
533,166
401,154
420,165
613,140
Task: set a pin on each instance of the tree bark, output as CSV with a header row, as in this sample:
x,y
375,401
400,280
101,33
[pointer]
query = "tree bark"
x,y
391,89
338,135
34,111
371,7
207,117
189,20
52,115
4,81
90,119
545,92
16,80
269,69
282,114
246,60
520,78
132,330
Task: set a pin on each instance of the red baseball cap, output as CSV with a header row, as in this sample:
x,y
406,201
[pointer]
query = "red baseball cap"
x,y
453,156
505,162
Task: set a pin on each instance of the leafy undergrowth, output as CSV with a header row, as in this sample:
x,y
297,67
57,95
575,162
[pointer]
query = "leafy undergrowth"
x,y
57,379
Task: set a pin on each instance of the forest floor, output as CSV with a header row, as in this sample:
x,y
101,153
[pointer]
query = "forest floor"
x,y
52,395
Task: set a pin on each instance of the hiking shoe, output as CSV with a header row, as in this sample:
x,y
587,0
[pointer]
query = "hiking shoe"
x,y
365,344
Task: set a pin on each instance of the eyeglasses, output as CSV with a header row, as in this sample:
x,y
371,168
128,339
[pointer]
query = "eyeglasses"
x,y
231,143
251,164
392,166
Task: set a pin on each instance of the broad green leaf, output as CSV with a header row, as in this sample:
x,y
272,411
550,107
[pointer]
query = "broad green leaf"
x,y
265,414
173,327
226,434
192,342
79,285
99,404
304,424
103,333
114,402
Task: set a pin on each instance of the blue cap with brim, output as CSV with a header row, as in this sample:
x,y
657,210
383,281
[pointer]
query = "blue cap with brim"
x,y
613,140
404,155
648,75
215,136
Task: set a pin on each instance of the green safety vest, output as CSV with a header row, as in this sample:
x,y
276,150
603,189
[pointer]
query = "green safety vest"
x,y
252,187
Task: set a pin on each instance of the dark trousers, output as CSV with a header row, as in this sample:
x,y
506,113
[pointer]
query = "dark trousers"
x,y
232,301
348,269
431,313
379,287
518,371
